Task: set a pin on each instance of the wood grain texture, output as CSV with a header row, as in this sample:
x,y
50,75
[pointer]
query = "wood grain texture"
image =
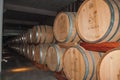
x,y
54,57
98,21
40,53
109,66
80,64
42,34
29,36
31,52
49,34
35,35
64,27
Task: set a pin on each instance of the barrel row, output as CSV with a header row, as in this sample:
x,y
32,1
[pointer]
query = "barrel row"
x,y
63,31
76,62
95,21
37,35
81,64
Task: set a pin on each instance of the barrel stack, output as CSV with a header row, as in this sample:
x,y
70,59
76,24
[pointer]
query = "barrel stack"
x,y
98,22
68,45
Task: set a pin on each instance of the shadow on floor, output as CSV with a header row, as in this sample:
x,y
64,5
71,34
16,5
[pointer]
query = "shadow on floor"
x,y
17,67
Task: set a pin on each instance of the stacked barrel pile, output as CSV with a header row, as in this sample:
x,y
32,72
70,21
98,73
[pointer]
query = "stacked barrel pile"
x,y
16,44
59,48
34,43
97,21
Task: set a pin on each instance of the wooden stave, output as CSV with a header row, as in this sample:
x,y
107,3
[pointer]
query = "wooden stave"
x,y
100,62
72,35
31,52
49,34
115,33
118,3
29,36
35,34
103,39
21,49
24,49
23,38
88,60
42,34
36,56
39,32
59,53
27,51
40,53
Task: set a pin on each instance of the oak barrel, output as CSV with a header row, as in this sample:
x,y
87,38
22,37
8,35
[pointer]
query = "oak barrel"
x,y
24,49
80,64
27,54
22,38
64,27
31,52
42,34
99,21
109,66
29,36
20,49
54,58
40,53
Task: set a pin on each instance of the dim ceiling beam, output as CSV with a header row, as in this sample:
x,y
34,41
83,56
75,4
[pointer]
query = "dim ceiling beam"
x,y
29,10
13,21
12,32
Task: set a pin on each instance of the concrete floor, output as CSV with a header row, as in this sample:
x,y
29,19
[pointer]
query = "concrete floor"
x,y
17,67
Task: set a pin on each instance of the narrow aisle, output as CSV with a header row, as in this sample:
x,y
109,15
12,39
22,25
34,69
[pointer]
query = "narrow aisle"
x,y
17,67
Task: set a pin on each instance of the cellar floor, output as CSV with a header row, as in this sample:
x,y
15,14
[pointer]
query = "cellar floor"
x,y
17,67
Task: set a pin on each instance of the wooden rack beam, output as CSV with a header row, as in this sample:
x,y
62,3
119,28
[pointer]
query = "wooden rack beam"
x,y
102,47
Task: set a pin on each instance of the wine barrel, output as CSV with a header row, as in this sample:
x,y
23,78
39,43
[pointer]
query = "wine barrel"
x,y
27,51
109,66
21,49
23,38
42,34
31,52
80,64
64,27
29,36
40,53
99,21
16,47
54,58
24,50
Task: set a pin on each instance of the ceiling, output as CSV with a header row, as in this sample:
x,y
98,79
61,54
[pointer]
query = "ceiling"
x,y
19,15
51,5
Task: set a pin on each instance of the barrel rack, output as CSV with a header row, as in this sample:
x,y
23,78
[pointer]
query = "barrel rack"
x,y
101,47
